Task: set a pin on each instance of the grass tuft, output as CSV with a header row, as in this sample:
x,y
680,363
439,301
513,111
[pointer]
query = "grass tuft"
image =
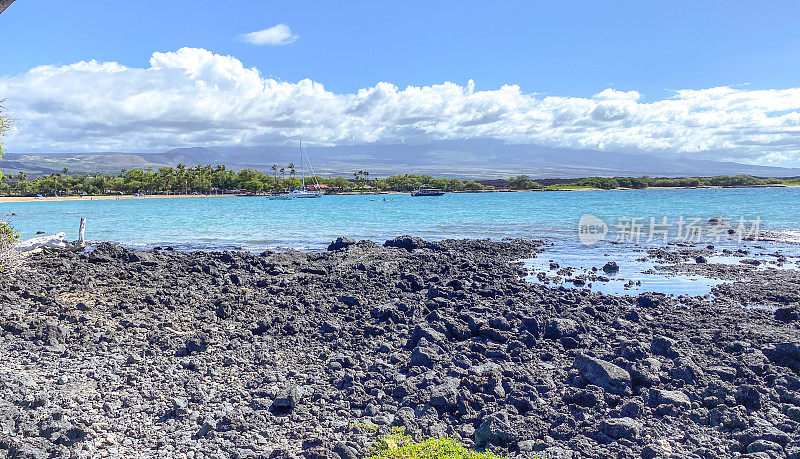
x,y
400,446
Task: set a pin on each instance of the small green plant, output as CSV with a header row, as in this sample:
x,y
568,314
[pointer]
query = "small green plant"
x,y
398,445
8,235
9,257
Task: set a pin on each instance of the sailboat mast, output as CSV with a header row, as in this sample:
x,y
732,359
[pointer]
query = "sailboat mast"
x,y
302,167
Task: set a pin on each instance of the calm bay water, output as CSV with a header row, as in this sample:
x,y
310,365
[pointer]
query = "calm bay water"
x,y
255,223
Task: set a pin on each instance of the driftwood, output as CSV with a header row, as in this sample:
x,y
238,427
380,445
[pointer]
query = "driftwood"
x,y
57,242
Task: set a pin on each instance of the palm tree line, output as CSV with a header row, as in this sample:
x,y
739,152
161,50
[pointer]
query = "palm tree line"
x,y
208,179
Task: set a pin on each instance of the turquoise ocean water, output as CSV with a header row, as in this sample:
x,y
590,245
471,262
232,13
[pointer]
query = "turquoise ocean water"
x,y
255,223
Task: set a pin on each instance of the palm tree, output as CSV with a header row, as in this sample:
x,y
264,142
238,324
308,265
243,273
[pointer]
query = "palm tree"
x,y
5,4
181,176
275,174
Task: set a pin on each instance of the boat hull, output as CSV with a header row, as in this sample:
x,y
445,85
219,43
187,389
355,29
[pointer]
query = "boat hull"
x,y
306,194
418,195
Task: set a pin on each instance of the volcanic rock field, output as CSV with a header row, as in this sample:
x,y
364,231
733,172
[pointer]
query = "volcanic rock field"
x,y
120,353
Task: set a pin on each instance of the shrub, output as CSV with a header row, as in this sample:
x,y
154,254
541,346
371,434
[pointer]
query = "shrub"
x,y
474,186
522,182
400,446
9,257
603,183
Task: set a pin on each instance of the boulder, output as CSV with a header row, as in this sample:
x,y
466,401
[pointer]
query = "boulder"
x,y
345,451
646,301
654,451
289,399
494,430
197,343
340,243
610,267
604,374
582,397
764,446
674,398
748,396
645,372
619,428
424,332
559,328
763,432
444,397
662,345
424,356
786,354
406,242
788,314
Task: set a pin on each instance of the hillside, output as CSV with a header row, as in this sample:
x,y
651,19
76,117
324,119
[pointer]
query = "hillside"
x,y
463,159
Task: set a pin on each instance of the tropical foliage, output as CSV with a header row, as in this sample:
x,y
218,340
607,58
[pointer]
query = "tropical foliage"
x,y
7,233
204,179
207,179
610,183
522,182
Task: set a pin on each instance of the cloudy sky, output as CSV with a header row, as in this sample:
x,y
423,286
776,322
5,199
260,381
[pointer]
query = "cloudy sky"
x,y
717,80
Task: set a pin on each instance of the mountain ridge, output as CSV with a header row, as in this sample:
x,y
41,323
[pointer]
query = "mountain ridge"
x,y
476,159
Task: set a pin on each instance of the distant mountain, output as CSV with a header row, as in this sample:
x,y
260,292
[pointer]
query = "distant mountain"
x,y
463,159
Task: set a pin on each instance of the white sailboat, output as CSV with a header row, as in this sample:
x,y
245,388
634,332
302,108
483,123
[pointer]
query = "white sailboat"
x,y
305,192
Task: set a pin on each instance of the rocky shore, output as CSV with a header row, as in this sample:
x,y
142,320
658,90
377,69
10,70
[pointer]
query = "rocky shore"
x,y
136,354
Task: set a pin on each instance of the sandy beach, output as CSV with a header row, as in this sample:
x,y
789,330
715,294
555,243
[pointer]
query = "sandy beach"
x,y
6,199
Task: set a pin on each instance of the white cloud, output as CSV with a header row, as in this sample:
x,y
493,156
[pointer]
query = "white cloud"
x,y
195,97
280,34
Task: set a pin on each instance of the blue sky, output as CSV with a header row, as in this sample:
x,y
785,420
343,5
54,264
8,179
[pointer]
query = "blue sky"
x,y
562,48
699,79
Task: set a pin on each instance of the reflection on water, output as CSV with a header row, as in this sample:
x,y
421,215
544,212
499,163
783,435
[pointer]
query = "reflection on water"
x,y
634,276
639,273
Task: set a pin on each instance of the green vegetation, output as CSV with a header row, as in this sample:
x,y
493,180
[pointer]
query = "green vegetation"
x,y
5,125
611,183
412,182
209,180
7,233
400,446
522,182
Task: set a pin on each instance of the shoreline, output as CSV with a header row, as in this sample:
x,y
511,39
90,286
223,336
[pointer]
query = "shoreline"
x,y
10,199
13,199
